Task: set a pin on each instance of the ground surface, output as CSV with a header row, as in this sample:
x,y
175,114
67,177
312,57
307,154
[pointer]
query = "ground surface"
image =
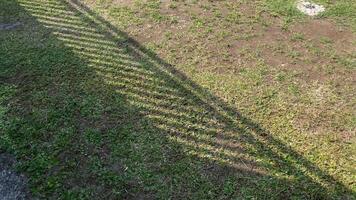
x,y
13,186
116,99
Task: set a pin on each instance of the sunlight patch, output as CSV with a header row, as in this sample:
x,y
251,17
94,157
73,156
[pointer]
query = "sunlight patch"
x,y
310,8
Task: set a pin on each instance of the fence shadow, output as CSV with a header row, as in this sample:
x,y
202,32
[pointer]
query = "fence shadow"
x,y
225,142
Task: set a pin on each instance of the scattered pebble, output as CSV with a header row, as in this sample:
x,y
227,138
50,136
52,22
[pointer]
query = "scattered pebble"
x,y
9,26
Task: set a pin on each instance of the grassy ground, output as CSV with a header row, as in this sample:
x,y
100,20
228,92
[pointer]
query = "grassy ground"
x,y
116,99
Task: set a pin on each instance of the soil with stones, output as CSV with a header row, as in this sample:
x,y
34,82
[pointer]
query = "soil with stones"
x,y
12,184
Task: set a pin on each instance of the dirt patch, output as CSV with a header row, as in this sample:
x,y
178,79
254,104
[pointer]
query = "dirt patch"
x,y
303,48
316,30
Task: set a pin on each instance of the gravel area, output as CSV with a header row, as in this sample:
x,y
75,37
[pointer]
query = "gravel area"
x,y
13,186
310,8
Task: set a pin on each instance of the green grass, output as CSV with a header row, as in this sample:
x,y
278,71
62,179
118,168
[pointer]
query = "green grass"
x,y
91,113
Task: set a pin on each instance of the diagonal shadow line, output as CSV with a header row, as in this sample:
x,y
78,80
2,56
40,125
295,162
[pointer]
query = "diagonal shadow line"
x,y
225,113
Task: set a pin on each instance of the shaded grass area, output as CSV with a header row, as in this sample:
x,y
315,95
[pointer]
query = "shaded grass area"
x,y
92,114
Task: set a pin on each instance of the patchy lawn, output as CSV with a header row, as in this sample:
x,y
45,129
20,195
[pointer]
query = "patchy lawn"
x,y
118,99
